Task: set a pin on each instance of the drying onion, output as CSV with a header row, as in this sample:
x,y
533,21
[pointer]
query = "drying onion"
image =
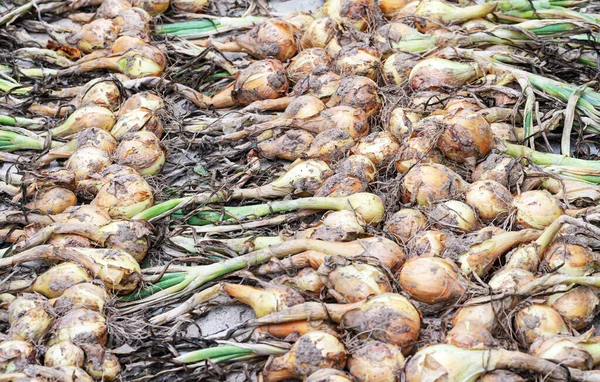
x,y
359,166
30,326
329,375
536,209
419,149
270,39
358,59
470,335
379,147
84,118
405,224
466,137
124,196
376,361
189,6
454,215
431,280
80,325
14,354
501,376
84,295
537,321
429,243
318,33
306,61
300,20
401,122
136,120
141,100
141,151
356,282
86,161
59,278
571,259
354,13
95,35
490,199
102,92
153,7
504,170
358,92
264,301
101,364
397,67
577,305
429,183
64,353
562,351
51,200
438,73
390,7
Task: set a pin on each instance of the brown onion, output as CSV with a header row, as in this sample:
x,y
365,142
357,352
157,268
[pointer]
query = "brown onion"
x,y
390,7
330,375
577,305
376,361
401,122
397,67
153,7
354,13
124,196
22,304
101,364
306,280
102,92
536,209
136,120
142,100
419,149
358,92
261,80
80,325
454,215
51,200
291,145
134,22
431,280
321,84
429,183
357,165
272,38
429,243
84,295
379,147
64,353
501,376
330,145
356,282
300,20
306,61
341,185
470,335
189,6
351,120
318,33
510,280
405,224
571,259
141,151
438,73
87,161
538,321
95,35
490,199
358,59
466,137
562,351
30,326
502,169
59,278
14,354
264,301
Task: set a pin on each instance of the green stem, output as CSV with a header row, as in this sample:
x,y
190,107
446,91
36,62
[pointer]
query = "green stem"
x,y
7,120
547,159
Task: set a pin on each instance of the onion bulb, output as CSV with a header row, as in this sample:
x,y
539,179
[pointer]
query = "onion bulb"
x,y
101,364
341,185
59,278
134,23
379,147
75,374
15,354
536,209
141,100
501,376
84,118
87,161
481,312
306,280
264,301
502,169
272,38
262,80
80,325
356,282
470,335
376,361
431,280
490,199
438,73
300,20
405,224
189,6
433,13
141,151
577,305
30,326
91,137
429,243
538,321
64,353
306,61
454,215
100,91
397,67
124,196
466,137
329,375
312,352
348,119
357,165
354,13
389,317
136,120
95,35
318,33
390,7
153,7
563,351
109,9
84,295
571,259
401,122
330,145
429,183
510,280
291,145
419,149
358,59
358,92
22,304
320,83
51,200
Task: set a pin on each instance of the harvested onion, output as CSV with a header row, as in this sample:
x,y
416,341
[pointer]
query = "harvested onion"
x,y
376,361
141,151
429,183
431,280
536,209
454,215
490,199
306,61
405,224
537,321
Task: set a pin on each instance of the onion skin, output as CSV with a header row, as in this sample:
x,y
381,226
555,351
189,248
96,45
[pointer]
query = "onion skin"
x,y
31,326
490,199
578,306
397,67
389,8
379,147
431,280
264,301
135,120
84,118
124,196
270,39
85,295
306,280
286,329
470,335
538,321
146,100
153,7
141,151
86,161
359,60
356,165
504,170
59,278
563,351
466,138
438,73
318,33
330,145
80,325
52,200
329,375
429,243
501,376
95,35
429,183
405,224
419,149
261,80
570,259
300,20
353,13
454,215
358,92
341,185
356,282
14,354
102,92
401,123
22,304
536,209
376,361
101,364
291,145
306,61
510,280
189,6
64,354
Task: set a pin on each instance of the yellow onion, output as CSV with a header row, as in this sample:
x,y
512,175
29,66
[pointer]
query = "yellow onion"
x,y
454,215
133,22
330,375
320,83
291,145
91,137
336,226
312,352
142,100
358,59
390,7
405,224
22,304
84,214
153,7
81,326
75,373
286,329
330,145
490,199
270,39
264,301
51,200
501,376
577,305
109,9
31,326
136,120
563,351
356,282
69,240
102,92
15,354
433,13
438,73
59,278
306,61
358,92
64,353
87,161
538,321
429,183
84,118
429,243
470,335
141,151
300,20
342,185
466,137
431,280
306,280
376,361
124,196
84,295
419,149
389,317
401,122
318,33
125,43
95,35
189,6
397,67
357,165
354,13
536,209
481,312
101,364
379,147
571,259
349,119
502,169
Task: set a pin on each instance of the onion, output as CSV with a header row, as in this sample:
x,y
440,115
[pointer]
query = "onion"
x,y
69,240
431,280
388,317
84,214
292,328
429,183
401,122
419,149
390,7
330,145
454,215
141,151
84,295
109,9
291,145
356,282
329,375
51,200
481,312
429,243
357,165
22,304
306,280
571,259
405,224
348,119
306,61
379,147
270,39
124,196
320,83
510,280
101,364
142,100
438,73
64,354
490,199
376,361
466,137
538,321
86,161
354,13
501,376
502,169
15,354
80,325
75,373
136,120
312,352
341,185
433,13
189,6
102,92
91,137
95,35
134,22
264,301
358,59
397,67
563,351
536,209
153,7
57,279
318,33
30,326
470,335
299,20
84,118
578,306
358,92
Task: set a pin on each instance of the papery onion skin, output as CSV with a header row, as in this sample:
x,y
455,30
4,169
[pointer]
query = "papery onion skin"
x,y
454,215
390,7
31,326
353,13
306,61
466,137
358,59
438,73
300,20
135,120
490,199
562,351
419,149
358,92
504,170
102,92
379,147
470,335
153,7
261,80
376,361
141,151
64,354
124,196
95,35
85,295
357,165
15,352
429,183
356,282
52,200
189,6
101,364
318,33
578,306
405,224
147,100
400,124
270,39
22,304
536,209
431,280
86,161
330,375
397,67
501,376
536,321
80,325
59,278
570,259
429,243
